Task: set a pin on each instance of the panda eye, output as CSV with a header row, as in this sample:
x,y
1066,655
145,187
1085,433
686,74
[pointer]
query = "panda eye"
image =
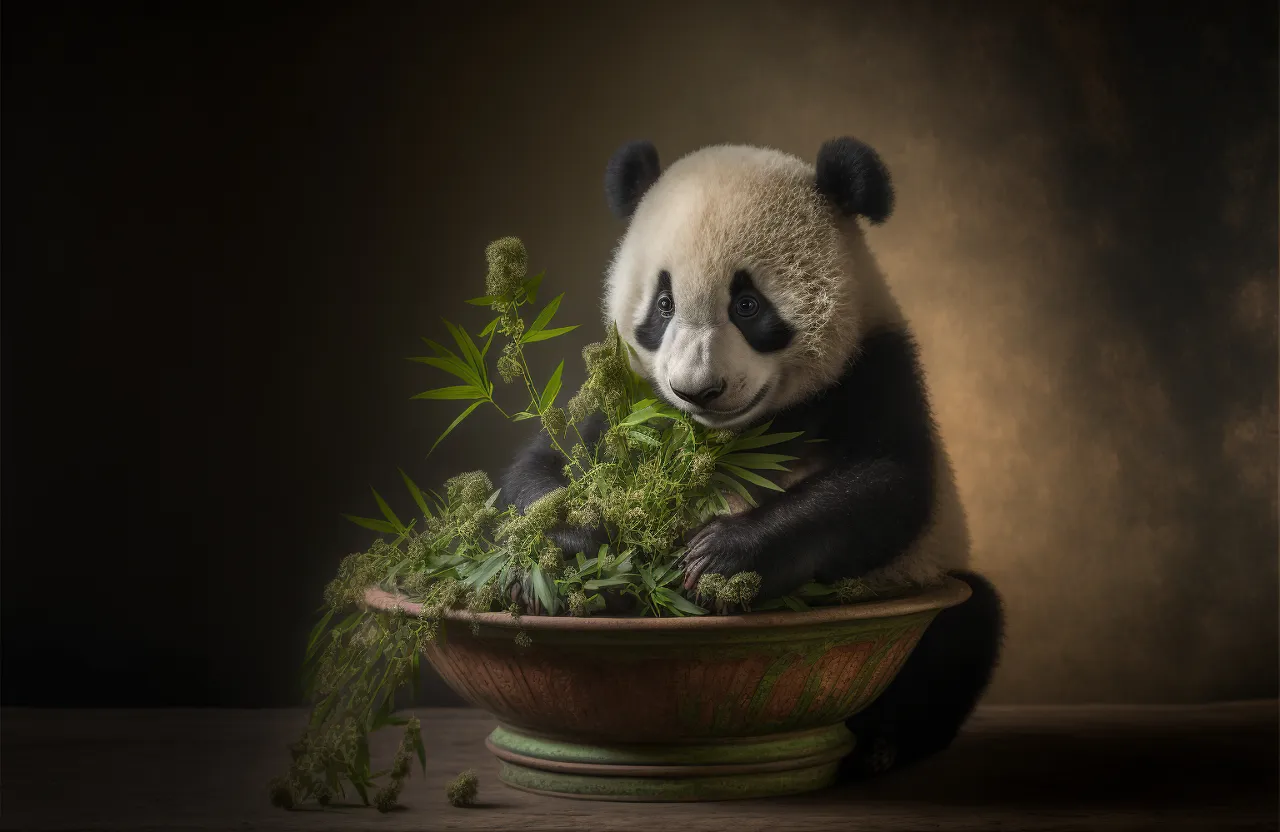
x,y
666,305
746,306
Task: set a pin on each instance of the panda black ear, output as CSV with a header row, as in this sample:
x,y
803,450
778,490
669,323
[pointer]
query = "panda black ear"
x,y
851,175
631,171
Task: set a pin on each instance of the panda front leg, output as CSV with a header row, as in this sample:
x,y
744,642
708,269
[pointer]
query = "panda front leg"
x,y
844,522
537,470
923,709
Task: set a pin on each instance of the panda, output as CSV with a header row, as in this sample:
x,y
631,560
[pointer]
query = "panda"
x,y
746,291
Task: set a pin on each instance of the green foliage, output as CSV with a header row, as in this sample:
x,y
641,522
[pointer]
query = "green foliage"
x,y
463,790
653,477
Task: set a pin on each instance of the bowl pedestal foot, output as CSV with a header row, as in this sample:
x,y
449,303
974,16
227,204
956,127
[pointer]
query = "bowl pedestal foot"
x,y
710,769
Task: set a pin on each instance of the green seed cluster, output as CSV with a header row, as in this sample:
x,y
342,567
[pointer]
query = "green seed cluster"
x,y
464,789
554,421
736,591
388,796
508,265
551,561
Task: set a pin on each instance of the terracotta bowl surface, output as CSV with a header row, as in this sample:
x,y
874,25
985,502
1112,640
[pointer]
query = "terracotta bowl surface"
x,y
696,708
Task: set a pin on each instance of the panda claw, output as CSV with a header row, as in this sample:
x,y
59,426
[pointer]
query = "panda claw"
x,y
519,593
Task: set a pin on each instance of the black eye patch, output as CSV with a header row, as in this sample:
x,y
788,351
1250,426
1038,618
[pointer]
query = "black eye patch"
x,y
661,307
755,317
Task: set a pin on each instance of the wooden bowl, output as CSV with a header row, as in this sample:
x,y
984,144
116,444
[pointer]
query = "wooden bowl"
x,y
674,709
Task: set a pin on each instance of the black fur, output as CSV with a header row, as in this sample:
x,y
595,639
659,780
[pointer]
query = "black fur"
x,y
852,177
872,495
631,171
925,705
650,331
764,329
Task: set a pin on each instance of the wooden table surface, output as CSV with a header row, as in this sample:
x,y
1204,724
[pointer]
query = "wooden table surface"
x,y
1169,768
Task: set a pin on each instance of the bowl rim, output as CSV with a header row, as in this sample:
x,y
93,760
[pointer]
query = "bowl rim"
x,y
951,592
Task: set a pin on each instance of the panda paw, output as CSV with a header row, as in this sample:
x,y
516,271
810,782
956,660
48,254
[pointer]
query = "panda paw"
x,y
877,757
880,757
724,546
521,594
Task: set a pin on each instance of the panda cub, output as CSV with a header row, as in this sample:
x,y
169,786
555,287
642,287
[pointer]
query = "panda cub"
x,y
746,289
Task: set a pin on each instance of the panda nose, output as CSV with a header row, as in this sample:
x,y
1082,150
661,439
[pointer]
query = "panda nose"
x,y
703,397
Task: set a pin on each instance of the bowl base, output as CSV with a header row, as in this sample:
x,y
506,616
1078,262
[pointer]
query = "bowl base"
x,y
704,770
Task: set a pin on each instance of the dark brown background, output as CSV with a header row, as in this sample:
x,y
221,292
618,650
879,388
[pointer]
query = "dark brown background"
x,y
225,231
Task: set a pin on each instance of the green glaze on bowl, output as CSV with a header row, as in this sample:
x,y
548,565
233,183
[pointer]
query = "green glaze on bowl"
x,y
677,709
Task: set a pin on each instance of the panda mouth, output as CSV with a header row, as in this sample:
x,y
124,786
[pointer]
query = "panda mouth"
x,y
726,415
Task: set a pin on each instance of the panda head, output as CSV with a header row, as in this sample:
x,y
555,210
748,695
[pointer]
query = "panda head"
x,y
742,283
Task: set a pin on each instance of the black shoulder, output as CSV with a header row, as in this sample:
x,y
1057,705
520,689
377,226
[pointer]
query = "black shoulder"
x,y
538,468
879,406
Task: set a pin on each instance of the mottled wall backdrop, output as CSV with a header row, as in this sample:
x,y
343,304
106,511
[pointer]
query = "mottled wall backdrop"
x,y
224,236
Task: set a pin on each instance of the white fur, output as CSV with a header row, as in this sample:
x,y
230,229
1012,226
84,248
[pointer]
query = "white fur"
x,y
731,207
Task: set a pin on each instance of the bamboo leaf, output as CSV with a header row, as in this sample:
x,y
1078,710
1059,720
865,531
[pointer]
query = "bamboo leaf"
x,y
598,583
736,486
453,366
531,285
461,391
317,631
522,415
748,443
645,437
543,590
386,511
768,462
470,352
416,492
487,569
422,751
375,525
552,389
753,478
544,317
813,589
438,349
484,301
545,334
362,754
464,414
489,330
676,601
755,431
640,416
795,603
349,622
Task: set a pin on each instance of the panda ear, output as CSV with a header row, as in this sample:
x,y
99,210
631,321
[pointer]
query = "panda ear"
x,y
852,177
631,171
